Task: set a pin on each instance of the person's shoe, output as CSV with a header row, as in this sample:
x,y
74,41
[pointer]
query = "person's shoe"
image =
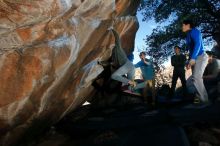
x,y
133,84
196,99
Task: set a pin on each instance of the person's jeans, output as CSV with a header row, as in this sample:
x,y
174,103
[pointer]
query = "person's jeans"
x,y
128,68
197,76
178,73
148,85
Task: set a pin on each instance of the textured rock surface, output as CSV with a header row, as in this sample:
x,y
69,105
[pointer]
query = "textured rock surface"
x,y
48,57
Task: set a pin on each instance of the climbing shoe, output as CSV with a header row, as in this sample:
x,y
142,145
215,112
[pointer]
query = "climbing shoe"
x,y
196,100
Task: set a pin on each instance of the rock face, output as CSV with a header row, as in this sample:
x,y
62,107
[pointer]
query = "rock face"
x,y
48,57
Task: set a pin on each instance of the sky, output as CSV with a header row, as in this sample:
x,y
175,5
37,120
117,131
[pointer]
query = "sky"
x,y
145,28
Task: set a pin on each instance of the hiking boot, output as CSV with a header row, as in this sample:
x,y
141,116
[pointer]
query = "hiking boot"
x,y
196,101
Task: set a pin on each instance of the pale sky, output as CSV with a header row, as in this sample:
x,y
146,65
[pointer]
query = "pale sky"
x,y
145,28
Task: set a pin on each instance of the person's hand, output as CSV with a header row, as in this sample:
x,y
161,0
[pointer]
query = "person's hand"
x,y
111,28
142,58
192,62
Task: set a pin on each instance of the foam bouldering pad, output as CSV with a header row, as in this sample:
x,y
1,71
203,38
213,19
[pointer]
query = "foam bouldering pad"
x,y
129,92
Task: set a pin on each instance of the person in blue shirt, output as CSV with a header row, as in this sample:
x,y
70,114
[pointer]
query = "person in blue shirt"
x,y
146,67
198,59
147,70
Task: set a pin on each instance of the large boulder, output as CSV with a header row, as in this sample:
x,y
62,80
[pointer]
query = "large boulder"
x,y
48,57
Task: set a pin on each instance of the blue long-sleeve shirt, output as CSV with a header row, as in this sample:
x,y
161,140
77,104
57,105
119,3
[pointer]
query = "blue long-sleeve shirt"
x,y
194,43
146,69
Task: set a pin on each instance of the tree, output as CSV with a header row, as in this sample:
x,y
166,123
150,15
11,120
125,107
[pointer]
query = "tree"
x,y
205,13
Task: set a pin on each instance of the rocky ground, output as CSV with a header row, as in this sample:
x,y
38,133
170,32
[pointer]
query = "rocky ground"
x,y
136,123
204,134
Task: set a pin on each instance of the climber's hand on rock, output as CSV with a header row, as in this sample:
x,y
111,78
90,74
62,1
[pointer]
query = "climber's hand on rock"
x,y
110,28
104,63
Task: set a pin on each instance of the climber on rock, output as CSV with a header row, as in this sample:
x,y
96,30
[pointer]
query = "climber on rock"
x,y
123,66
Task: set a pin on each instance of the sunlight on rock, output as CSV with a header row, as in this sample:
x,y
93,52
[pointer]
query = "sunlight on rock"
x,y
48,57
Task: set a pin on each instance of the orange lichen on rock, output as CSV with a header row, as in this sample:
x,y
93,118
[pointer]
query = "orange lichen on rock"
x,y
48,57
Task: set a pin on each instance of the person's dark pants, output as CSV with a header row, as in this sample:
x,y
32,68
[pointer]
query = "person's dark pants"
x,y
178,73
